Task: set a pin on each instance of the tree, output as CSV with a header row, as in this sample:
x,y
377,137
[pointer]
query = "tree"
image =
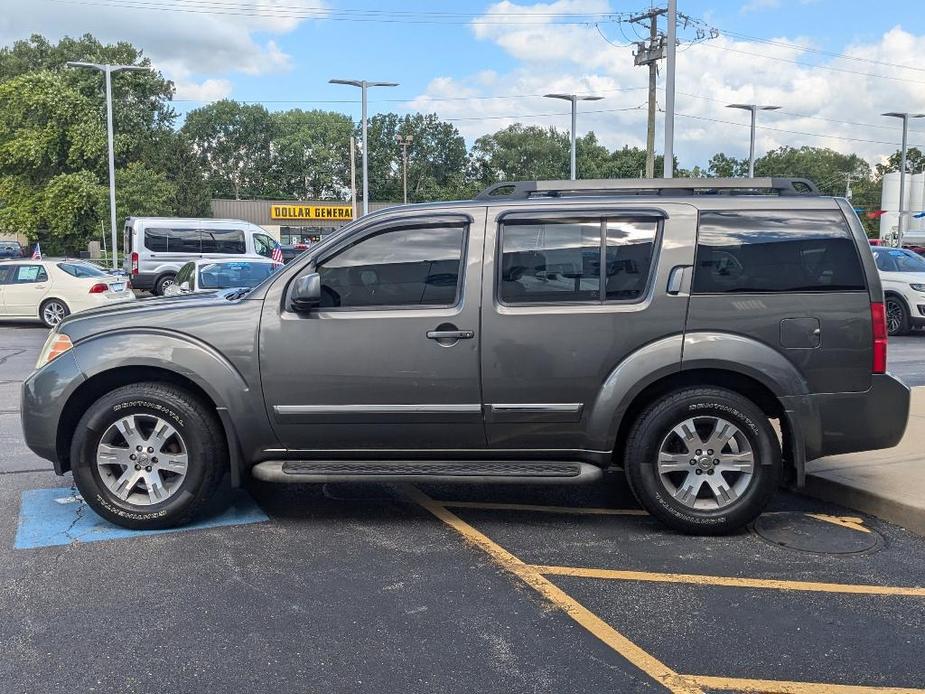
x,y
520,152
724,166
915,162
436,158
234,145
827,168
311,155
171,153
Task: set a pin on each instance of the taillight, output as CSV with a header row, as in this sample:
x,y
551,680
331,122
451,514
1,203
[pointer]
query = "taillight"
x,y
878,328
99,288
134,262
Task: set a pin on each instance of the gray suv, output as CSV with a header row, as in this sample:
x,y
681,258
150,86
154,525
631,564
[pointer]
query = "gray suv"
x,y
542,332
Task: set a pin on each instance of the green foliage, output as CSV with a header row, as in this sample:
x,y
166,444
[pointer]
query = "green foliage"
x,y
915,162
311,155
724,166
520,152
234,144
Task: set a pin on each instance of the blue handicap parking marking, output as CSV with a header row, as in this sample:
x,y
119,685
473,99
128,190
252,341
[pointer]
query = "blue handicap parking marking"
x,y
49,517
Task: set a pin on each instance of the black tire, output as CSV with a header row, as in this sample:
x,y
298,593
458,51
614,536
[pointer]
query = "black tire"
x,y
162,283
196,423
653,427
62,310
897,316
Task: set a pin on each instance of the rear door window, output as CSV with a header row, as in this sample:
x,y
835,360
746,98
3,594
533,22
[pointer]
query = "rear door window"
x,y
764,251
226,241
29,274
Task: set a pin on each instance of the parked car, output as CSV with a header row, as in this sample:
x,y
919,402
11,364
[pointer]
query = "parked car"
x,y
902,273
291,251
211,275
157,247
543,332
11,249
49,290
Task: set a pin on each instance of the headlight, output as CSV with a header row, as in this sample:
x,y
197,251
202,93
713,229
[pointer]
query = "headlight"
x,y
918,287
56,345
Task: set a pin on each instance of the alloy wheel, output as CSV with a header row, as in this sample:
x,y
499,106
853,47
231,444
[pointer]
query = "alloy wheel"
x,y
894,316
706,463
53,313
142,459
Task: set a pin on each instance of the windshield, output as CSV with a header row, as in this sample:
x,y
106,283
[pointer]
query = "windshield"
x,y
81,270
899,260
235,274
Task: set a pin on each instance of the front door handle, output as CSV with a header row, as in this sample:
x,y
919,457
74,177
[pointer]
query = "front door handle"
x,y
450,334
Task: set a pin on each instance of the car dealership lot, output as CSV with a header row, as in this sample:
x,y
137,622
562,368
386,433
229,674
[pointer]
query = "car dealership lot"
x,y
444,589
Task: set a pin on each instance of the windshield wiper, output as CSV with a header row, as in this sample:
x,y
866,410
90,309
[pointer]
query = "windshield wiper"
x,y
235,294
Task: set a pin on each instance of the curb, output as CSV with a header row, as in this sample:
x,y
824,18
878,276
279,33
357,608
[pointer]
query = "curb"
x,y
912,518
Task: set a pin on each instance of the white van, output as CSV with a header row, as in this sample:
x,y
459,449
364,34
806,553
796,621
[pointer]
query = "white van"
x,y
157,247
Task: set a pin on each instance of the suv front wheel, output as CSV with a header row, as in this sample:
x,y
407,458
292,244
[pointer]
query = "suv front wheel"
x,y
149,456
703,460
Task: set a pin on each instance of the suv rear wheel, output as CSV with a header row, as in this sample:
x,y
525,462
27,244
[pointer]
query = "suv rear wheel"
x,y
703,460
149,456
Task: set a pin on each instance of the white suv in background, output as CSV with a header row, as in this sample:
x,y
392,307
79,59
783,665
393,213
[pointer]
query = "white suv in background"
x,y
902,274
51,289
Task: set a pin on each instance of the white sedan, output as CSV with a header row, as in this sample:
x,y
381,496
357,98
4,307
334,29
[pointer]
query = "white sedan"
x,y
49,290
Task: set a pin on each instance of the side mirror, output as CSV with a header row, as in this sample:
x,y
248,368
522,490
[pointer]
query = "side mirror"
x,y
306,293
185,288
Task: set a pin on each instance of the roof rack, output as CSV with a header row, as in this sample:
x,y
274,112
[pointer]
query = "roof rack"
x,y
525,190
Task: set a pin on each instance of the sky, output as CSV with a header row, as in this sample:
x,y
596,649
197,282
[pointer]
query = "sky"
x,y
833,66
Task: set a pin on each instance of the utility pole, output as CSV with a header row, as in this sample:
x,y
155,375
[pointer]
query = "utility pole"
x,y
108,70
364,86
670,69
404,142
649,54
574,99
902,170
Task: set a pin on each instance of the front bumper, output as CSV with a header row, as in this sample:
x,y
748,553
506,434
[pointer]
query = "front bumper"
x,y
44,394
833,423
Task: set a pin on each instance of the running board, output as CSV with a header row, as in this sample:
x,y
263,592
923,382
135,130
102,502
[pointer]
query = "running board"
x,y
307,471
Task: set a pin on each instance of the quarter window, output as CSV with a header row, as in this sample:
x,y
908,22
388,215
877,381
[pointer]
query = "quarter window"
x,y
410,266
559,260
776,251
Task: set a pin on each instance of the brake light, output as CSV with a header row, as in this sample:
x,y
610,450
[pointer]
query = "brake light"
x,y
878,329
134,262
99,288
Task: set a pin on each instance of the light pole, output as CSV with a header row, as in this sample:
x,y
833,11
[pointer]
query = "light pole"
x,y
108,70
753,108
364,86
405,143
902,169
574,99
671,66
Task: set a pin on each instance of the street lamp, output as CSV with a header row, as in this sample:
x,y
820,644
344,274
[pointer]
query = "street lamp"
x,y
404,143
754,108
902,168
574,99
108,70
364,85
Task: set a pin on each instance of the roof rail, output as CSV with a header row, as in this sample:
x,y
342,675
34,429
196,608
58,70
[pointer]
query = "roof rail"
x,y
524,190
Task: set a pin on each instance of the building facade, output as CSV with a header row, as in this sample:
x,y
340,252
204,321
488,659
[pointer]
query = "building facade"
x,y
291,222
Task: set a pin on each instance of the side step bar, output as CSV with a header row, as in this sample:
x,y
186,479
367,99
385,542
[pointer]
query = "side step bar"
x,y
308,471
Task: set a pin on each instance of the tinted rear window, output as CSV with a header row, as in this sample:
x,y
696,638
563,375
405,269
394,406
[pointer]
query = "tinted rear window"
x,y
194,241
776,251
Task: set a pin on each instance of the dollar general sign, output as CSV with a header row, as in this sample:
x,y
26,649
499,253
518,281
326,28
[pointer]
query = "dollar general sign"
x,y
331,212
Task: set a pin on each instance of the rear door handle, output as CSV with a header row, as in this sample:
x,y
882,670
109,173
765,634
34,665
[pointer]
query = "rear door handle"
x,y
676,279
450,334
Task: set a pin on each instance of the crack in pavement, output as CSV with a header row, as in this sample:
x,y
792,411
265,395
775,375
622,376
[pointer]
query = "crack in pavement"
x,y
78,513
12,353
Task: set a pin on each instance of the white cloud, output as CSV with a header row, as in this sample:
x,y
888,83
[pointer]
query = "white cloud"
x,y
572,58
758,5
181,43
207,90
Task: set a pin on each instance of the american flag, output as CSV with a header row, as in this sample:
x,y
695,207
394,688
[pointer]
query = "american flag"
x,y
277,255
37,252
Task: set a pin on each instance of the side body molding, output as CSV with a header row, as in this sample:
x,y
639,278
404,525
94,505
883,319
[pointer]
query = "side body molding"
x,y
235,389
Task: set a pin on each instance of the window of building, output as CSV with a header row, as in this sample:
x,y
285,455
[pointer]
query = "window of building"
x,y
776,251
559,260
408,266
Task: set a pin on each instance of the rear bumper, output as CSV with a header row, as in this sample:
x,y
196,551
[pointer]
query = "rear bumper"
x,y
833,423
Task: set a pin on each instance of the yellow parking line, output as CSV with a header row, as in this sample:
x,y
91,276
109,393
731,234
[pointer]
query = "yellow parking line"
x,y
852,522
650,665
580,510
731,581
781,687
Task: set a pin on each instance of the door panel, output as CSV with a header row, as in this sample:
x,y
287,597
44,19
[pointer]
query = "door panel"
x,y
361,372
544,364
28,286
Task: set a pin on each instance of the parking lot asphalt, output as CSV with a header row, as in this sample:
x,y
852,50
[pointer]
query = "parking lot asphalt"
x,y
455,589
